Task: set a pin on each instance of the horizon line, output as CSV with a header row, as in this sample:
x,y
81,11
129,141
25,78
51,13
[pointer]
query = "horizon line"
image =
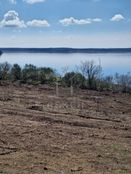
x,y
65,47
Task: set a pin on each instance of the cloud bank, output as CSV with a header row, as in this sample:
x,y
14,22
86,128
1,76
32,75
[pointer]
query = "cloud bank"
x,y
73,21
38,23
11,19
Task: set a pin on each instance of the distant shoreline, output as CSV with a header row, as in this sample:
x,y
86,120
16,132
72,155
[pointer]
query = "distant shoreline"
x,y
66,50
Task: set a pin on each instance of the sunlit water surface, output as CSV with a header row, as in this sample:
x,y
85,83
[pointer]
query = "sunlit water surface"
x,y
110,62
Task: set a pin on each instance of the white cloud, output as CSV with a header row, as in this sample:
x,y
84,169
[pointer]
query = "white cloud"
x,y
11,19
97,20
117,17
13,1
73,21
33,1
38,23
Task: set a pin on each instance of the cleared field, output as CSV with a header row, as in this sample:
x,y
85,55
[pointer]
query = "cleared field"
x,y
88,133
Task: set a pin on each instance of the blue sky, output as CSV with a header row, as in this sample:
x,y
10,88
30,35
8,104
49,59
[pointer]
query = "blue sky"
x,y
65,23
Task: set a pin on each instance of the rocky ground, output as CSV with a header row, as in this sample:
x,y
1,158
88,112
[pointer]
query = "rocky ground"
x,y
41,133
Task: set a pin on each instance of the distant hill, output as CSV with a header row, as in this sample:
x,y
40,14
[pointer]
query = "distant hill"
x,y
65,50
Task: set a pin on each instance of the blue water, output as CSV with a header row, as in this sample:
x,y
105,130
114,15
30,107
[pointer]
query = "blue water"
x,y
110,62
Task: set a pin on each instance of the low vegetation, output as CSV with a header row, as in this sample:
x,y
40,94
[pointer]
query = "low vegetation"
x,y
88,76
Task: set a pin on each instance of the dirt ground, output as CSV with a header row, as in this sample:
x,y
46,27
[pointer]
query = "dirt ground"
x,y
41,133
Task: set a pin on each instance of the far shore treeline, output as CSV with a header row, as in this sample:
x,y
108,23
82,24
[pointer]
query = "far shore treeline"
x,y
87,76
1,52
66,50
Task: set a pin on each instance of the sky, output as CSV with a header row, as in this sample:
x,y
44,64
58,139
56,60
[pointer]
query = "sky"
x,y
65,23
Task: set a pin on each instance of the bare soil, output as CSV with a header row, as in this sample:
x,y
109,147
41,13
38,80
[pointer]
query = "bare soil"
x,y
41,133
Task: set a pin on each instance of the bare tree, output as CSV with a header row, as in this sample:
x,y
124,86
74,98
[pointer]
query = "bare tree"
x,y
91,73
64,70
4,70
124,81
